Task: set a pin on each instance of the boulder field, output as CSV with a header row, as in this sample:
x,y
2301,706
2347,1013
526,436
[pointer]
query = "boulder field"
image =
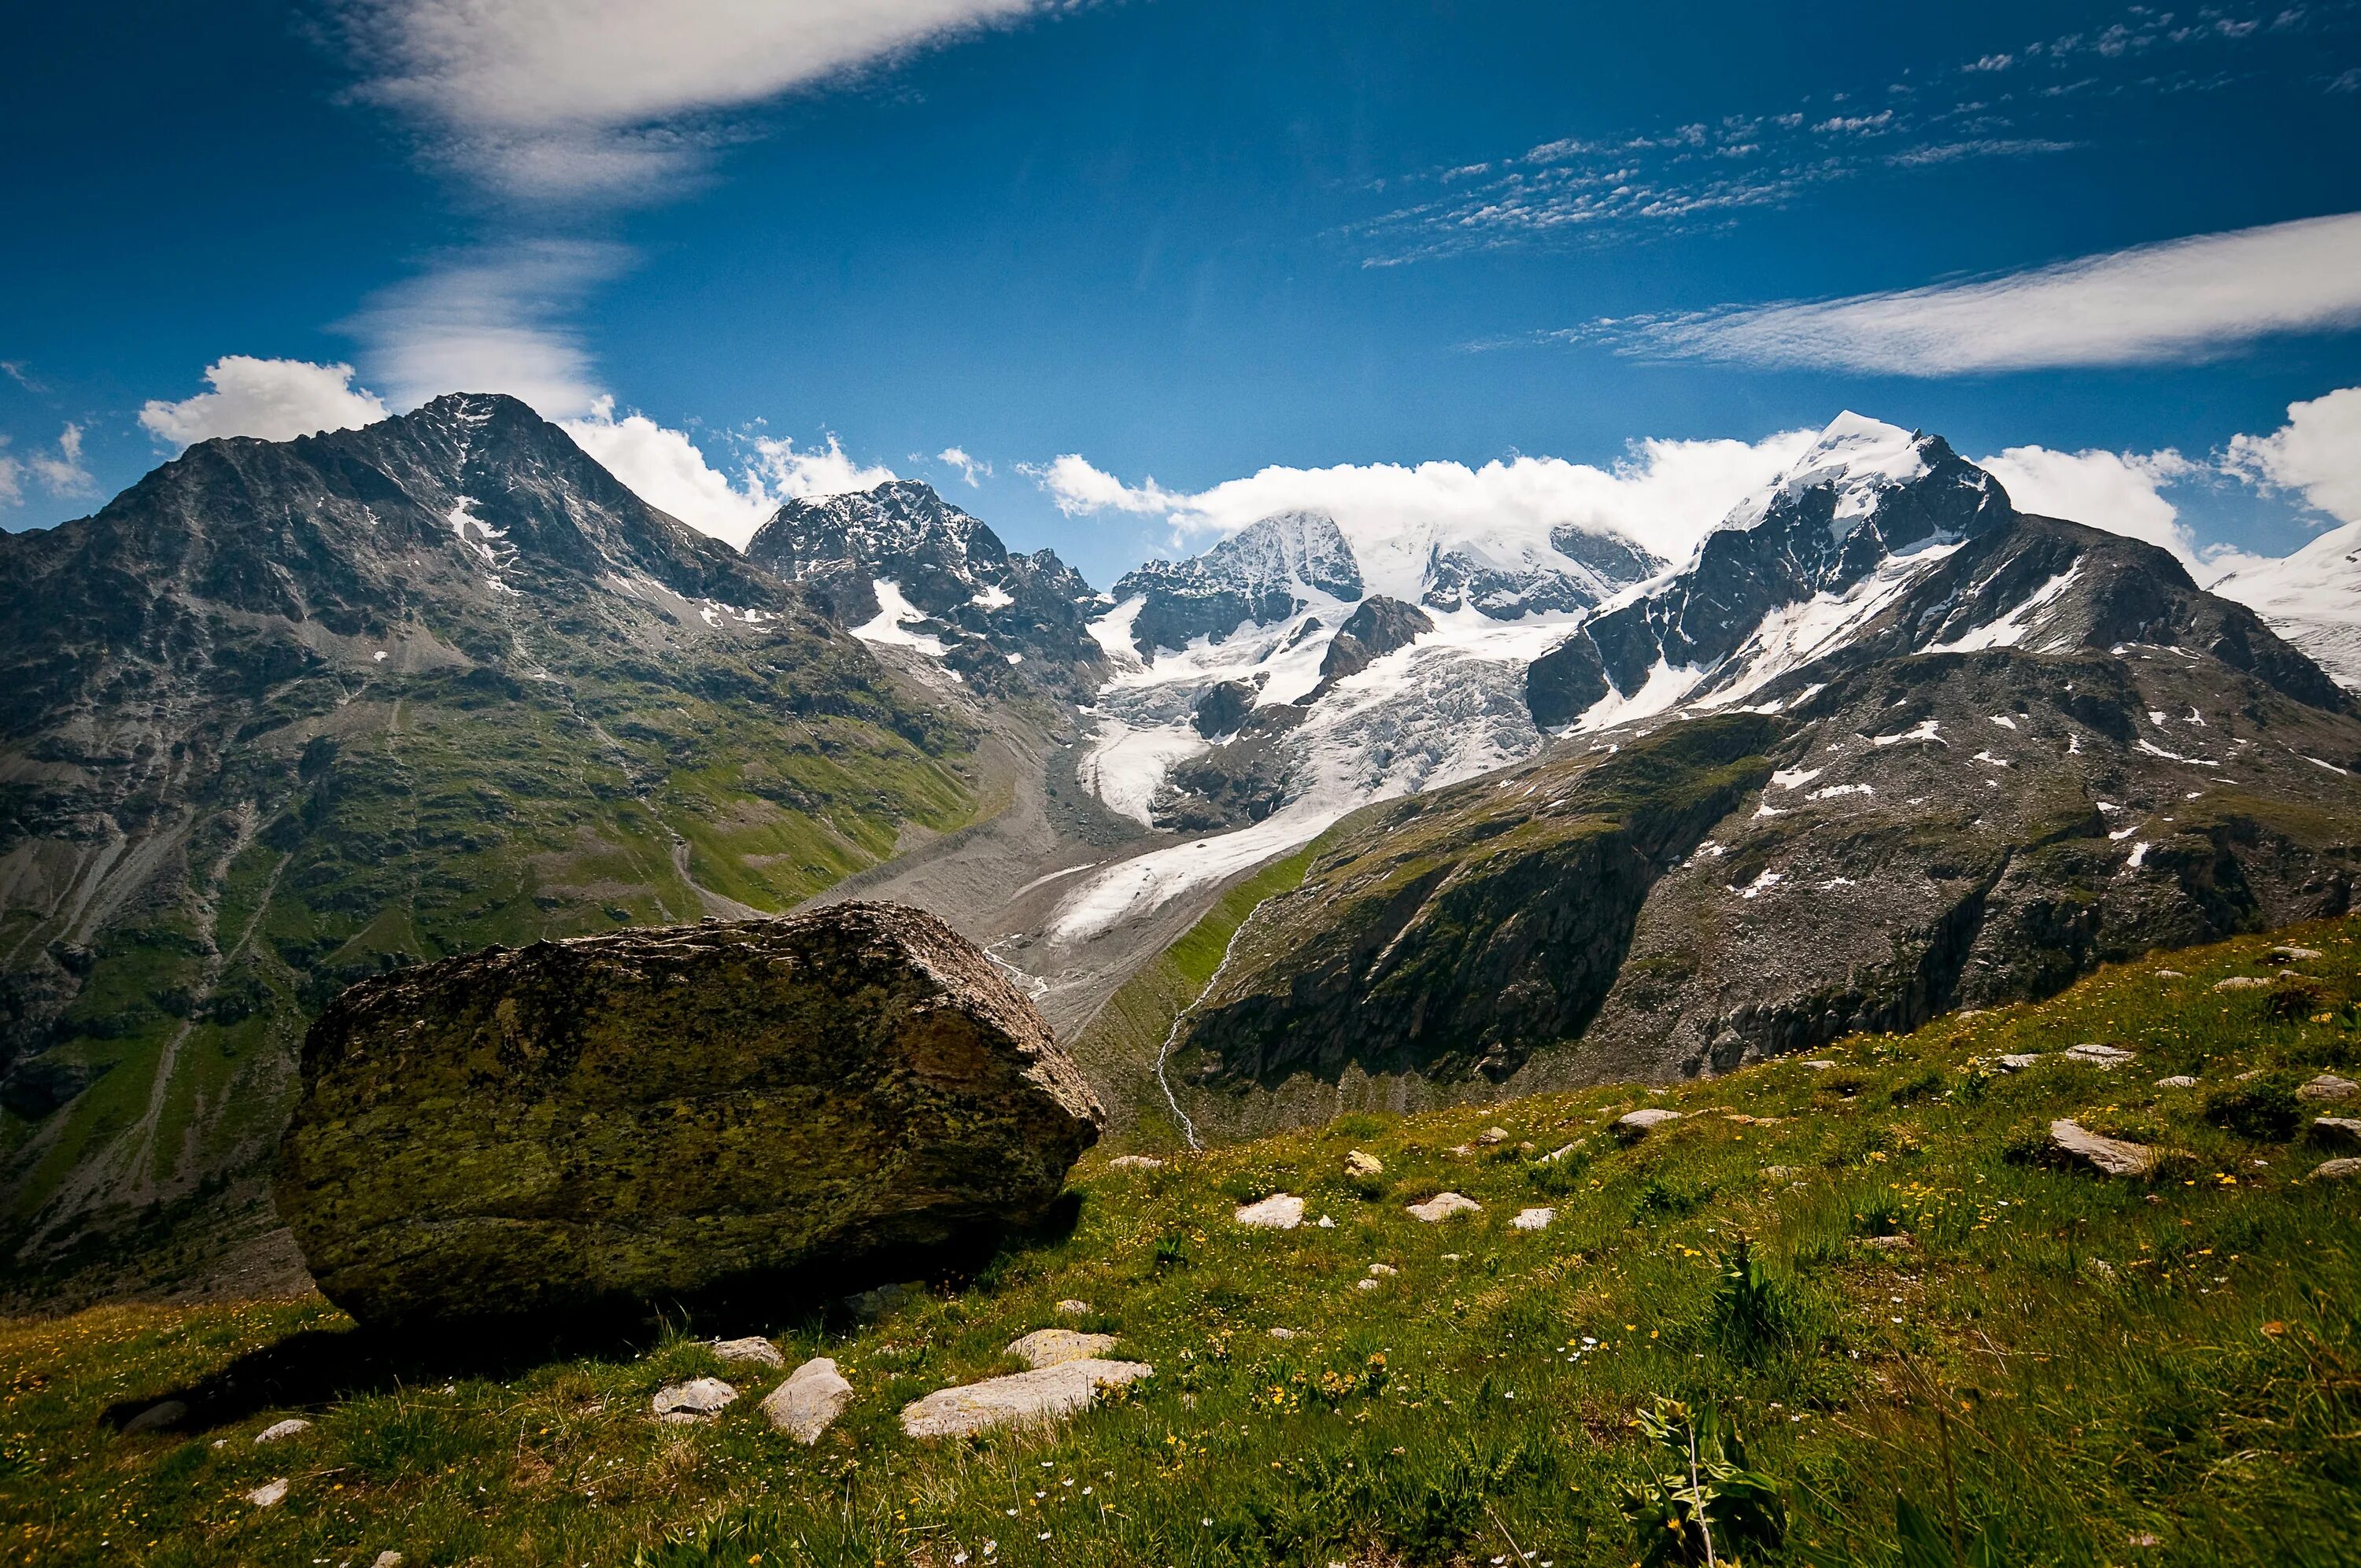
x,y
655,1116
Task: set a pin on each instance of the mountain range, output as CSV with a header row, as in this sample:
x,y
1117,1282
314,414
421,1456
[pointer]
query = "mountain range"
x,y
1331,815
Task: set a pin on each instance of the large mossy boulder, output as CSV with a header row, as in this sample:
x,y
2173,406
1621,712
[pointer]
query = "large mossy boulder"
x,y
605,1123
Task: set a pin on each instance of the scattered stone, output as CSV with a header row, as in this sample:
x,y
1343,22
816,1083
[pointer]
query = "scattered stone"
x,y
2167,974
2337,1132
1359,1164
2017,1061
1491,1135
1779,1172
1559,1152
1070,1308
1532,1220
2249,1076
1383,1270
1055,1347
2291,955
1135,1162
2098,1055
1279,1212
1280,1333
1442,1206
1888,1243
286,1429
387,1560
1326,1223
1366,1283
2335,1170
760,1351
2177,1081
584,1126
1640,1124
1024,1398
157,1416
2241,982
2108,1156
1817,1064
814,1394
2328,1086
1451,1257
699,1399
270,1495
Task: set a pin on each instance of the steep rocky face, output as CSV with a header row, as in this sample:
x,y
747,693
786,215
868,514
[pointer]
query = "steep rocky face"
x,y
1923,832
1263,573
998,618
1377,628
1578,570
284,715
633,1121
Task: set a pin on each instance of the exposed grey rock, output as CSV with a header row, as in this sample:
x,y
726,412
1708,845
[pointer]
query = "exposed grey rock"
x,y
699,1399
1070,1307
1379,627
2108,1156
2242,982
1559,1152
1135,1162
1383,1270
270,1495
2337,1132
387,1560
1443,1206
2017,1061
2098,1055
2328,1087
1491,1136
1253,575
1888,1243
813,1396
1359,1164
615,1120
2336,1169
1536,1219
1280,1333
1052,1347
758,1351
1817,1064
2293,955
1641,1123
2177,1081
1279,1212
1039,1398
279,1430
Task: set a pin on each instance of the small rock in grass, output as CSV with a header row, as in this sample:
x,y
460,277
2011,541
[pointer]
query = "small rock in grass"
x,y
1070,1308
2336,1169
1053,1347
2098,1055
1326,1223
2167,974
814,1394
1135,1162
2241,982
1451,1257
1532,1220
1279,1212
2177,1081
1366,1283
1280,1333
1359,1164
2337,1132
1383,1270
1888,1243
699,1399
1024,1399
1640,1124
1779,1172
2017,1061
278,1430
156,1417
2291,955
2328,1086
2249,1076
2108,1156
387,1560
754,1349
270,1495
1817,1064
1442,1206
1490,1136
1558,1154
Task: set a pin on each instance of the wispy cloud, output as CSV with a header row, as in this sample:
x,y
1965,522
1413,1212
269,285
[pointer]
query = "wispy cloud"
x,y
568,99
491,321
967,467
2028,100
276,400
58,468
667,469
2182,300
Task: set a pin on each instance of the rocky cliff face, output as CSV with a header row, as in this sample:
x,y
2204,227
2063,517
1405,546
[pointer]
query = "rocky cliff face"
x,y
1262,574
634,1120
1000,618
287,714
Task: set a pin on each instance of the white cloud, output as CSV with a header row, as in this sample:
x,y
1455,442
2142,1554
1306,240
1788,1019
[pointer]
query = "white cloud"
x,y
667,470
276,400
1662,496
953,457
2119,491
2318,452
575,97
2184,298
59,470
489,321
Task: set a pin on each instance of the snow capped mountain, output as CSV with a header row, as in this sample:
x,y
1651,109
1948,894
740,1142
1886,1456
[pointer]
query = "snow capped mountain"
x,y
2313,597
1260,576
899,566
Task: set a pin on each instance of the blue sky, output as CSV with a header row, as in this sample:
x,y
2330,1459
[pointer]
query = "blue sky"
x,y
1189,241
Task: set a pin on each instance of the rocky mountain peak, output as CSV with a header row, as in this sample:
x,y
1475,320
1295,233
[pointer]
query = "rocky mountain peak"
x,y
1264,573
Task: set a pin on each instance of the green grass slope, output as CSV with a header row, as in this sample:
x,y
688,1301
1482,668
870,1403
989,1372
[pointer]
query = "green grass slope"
x,y
2055,1368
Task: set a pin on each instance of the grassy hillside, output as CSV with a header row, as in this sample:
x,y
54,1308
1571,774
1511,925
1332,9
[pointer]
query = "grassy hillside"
x,y
2054,1368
